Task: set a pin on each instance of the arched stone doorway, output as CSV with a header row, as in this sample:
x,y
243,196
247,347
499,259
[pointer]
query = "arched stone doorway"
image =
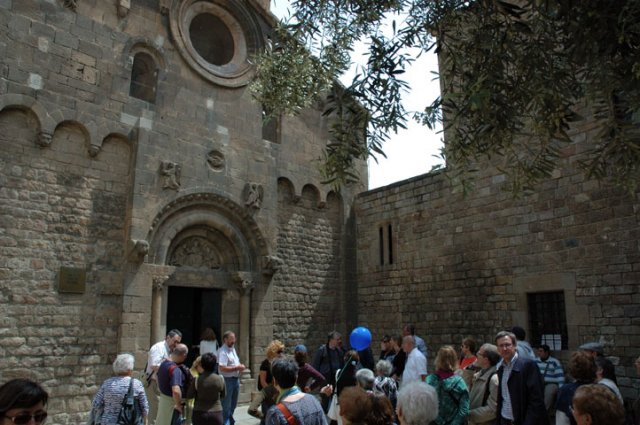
x,y
206,255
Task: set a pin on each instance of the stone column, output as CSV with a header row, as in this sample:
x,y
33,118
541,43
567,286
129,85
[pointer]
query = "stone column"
x,y
157,333
245,285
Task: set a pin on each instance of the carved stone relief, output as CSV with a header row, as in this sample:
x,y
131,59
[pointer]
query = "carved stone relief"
x,y
70,4
123,7
253,195
138,249
44,139
215,160
171,173
271,264
196,252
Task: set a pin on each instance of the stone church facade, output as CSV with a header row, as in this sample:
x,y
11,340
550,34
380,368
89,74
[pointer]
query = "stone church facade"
x,y
140,190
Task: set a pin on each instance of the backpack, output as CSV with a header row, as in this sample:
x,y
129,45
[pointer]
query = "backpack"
x,y
487,390
186,374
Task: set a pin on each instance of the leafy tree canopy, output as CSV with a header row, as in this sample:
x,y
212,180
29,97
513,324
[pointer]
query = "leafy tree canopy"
x,y
516,77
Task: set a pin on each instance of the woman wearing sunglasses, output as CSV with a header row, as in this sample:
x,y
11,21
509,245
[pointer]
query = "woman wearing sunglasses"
x,y
22,402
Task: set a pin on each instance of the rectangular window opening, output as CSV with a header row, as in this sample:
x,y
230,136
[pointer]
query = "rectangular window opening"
x,y
381,245
390,243
548,320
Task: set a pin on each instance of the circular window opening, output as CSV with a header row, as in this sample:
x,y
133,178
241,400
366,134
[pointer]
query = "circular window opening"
x,y
212,39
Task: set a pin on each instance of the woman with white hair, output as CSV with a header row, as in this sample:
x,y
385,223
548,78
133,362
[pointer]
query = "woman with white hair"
x,y
417,404
365,378
384,383
110,395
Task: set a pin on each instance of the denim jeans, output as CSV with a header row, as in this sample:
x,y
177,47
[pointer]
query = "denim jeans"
x,y
229,402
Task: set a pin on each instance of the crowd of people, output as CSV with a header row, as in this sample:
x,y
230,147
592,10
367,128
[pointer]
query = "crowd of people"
x,y
501,382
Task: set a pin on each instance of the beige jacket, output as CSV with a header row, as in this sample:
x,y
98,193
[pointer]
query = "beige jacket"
x,y
479,414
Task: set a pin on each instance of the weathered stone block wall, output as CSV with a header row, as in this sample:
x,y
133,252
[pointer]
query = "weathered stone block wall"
x,y
308,290
73,70
463,266
60,207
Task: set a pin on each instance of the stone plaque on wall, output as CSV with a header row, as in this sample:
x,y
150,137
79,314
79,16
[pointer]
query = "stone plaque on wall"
x,y
72,280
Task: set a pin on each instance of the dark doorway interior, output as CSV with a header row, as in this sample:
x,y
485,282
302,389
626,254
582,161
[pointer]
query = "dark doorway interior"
x,y
191,310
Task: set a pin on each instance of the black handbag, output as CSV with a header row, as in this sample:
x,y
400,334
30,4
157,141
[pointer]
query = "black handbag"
x,y
130,413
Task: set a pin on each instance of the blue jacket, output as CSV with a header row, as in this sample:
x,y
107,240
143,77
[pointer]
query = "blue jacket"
x,y
526,389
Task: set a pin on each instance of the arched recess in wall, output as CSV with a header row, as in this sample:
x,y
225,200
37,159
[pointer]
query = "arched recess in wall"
x,y
286,191
147,66
46,123
229,234
334,201
311,196
144,77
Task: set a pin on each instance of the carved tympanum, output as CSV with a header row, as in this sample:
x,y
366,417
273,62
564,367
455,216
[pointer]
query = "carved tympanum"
x,y
195,252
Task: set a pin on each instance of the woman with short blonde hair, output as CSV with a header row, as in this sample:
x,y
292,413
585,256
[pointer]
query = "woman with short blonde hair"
x,y
453,396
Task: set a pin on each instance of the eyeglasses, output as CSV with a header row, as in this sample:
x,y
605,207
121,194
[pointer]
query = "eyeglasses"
x,y
25,418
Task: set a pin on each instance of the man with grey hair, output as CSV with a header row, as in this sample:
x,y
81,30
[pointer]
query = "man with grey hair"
x,y
417,404
171,381
483,397
416,366
158,353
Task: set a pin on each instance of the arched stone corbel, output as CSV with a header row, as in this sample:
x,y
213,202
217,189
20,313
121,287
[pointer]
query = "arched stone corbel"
x,y
94,150
44,139
70,4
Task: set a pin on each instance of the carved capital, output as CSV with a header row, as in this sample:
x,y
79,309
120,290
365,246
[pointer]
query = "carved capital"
x,y
159,282
44,139
138,249
244,282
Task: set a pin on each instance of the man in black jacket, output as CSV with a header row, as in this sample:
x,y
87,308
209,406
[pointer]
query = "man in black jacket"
x,y
521,389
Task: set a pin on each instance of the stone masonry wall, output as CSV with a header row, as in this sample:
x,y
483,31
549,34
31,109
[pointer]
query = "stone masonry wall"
x,y
59,207
463,266
307,291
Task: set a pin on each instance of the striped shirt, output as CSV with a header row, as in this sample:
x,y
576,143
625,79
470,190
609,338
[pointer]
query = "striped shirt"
x,y
112,393
507,410
551,370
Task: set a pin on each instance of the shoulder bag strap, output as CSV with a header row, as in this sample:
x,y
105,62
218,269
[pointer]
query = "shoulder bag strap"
x,y
128,398
291,420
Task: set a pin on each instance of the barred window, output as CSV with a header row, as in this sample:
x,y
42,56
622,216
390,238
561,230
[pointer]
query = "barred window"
x,y
548,319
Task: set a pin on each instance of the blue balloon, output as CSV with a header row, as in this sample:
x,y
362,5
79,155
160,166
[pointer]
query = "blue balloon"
x,y
360,338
